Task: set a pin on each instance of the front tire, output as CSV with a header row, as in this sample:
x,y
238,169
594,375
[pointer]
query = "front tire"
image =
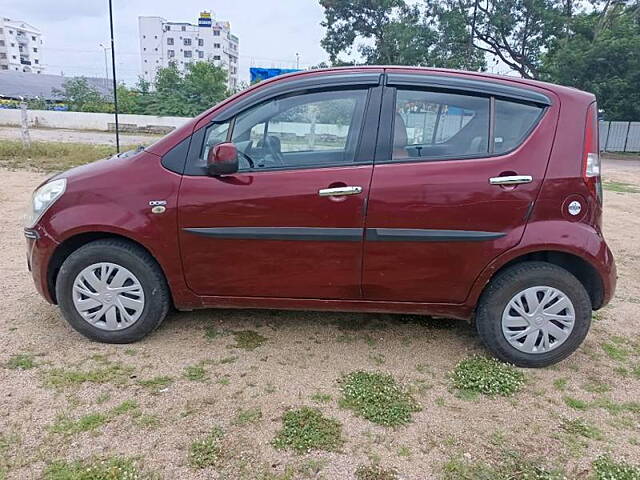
x,y
533,314
112,291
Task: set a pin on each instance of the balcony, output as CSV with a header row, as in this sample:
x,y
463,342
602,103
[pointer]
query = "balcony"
x,y
24,61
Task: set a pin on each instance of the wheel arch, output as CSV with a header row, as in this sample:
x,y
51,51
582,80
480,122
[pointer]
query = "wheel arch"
x,y
582,269
73,243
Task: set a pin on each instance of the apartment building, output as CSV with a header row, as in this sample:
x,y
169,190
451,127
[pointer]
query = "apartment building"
x,y
20,47
162,42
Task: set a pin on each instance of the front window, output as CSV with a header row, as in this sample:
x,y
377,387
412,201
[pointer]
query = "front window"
x,y
302,131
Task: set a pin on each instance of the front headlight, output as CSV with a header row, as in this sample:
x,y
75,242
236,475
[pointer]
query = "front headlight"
x,y
42,199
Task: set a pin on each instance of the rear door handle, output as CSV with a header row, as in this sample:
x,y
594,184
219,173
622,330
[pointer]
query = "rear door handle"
x,y
511,180
339,191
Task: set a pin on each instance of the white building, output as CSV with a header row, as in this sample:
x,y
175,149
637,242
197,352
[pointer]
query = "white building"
x,y
20,46
162,42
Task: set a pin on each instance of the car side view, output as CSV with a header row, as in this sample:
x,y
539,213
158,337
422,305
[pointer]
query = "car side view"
x,y
377,189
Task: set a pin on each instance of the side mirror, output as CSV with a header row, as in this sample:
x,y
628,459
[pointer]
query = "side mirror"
x,y
222,159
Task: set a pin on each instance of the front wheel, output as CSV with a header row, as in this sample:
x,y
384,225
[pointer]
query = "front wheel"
x,y
112,291
533,314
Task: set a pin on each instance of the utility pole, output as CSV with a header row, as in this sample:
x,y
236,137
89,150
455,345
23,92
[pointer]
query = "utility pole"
x,y
297,61
24,125
115,83
106,65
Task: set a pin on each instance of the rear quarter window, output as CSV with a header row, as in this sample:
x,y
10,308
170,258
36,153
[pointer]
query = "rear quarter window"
x,y
514,122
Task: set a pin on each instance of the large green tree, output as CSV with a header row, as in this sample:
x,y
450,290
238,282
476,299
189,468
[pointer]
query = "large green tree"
x,y
80,96
394,32
601,54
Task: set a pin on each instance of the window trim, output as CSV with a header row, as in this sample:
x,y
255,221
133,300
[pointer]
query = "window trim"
x,y
365,141
384,146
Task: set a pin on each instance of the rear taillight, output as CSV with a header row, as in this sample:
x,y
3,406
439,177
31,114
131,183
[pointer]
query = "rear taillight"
x,y
591,155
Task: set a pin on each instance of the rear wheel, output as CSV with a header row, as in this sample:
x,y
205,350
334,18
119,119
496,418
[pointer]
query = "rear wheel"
x,y
112,291
533,314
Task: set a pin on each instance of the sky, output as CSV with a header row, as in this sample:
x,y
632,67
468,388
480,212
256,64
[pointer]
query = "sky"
x,y
271,32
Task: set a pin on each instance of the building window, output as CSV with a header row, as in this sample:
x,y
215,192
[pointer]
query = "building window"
x,y
1,43
171,53
144,49
156,49
187,42
183,28
3,55
169,41
13,44
1,30
33,38
4,67
145,60
35,49
155,36
216,57
200,42
216,33
187,54
144,36
36,61
216,45
200,54
13,56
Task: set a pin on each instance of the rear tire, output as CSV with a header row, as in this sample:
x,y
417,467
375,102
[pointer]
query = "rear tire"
x,y
112,291
497,317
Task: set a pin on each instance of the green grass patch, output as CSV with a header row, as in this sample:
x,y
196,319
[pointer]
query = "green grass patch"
x,y
321,397
595,386
378,398
575,403
125,407
86,423
250,415
581,428
195,373
113,468
560,384
52,156
636,371
487,376
156,384
375,472
21,361
620,187
306,429
248,339
615,408
606,468
66,377
509,466
207,451
615,351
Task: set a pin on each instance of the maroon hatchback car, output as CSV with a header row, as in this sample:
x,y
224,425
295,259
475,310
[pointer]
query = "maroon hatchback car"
x,y
378,189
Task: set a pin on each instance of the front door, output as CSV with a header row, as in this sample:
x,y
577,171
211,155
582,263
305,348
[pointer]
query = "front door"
x,y
290,223
442,204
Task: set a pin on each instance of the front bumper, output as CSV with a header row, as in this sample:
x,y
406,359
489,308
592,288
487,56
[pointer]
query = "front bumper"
x,y
40,248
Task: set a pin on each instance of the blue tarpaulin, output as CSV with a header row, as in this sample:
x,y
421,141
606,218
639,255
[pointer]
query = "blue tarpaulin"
x,y
259,74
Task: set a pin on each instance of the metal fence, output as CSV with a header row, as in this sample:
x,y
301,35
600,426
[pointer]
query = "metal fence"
x,y
620,136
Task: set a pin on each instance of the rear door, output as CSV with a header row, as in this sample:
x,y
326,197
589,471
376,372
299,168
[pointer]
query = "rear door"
x,y
442,203
290,223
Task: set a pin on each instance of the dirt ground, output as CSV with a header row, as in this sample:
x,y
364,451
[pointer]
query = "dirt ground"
x,y
76,136
304,355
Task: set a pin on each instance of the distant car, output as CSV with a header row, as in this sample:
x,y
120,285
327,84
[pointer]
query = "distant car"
x,y
377,189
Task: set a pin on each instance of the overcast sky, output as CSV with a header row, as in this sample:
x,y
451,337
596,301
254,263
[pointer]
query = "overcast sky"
x,y
270,31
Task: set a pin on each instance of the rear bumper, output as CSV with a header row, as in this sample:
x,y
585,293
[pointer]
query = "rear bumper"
x,y
40,248
609,275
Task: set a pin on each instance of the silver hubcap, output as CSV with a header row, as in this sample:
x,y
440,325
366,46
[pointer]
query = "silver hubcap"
x,y
538,319
108,296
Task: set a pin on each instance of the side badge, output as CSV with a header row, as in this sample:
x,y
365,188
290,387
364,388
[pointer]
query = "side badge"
x,y
158,206
574,208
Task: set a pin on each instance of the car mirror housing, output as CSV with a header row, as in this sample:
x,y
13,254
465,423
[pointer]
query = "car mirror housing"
x,y
222,159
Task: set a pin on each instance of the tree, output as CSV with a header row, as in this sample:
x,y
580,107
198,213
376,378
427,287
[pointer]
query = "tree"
x,y
601,54
393,32
80,96
516,31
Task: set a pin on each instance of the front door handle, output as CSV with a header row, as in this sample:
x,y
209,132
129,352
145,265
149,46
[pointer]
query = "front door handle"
x,y
339,191
511,180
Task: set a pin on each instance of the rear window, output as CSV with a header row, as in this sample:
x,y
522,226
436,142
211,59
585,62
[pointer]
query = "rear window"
x,y
514,121
439,125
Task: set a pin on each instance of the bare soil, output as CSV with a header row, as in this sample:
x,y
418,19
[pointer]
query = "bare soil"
x,y
305,354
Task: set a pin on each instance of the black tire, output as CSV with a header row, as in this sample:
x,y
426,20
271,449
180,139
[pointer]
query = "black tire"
x,y
515,279
137,261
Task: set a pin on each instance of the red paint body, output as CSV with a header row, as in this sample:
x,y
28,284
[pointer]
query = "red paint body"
x,y
111,197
